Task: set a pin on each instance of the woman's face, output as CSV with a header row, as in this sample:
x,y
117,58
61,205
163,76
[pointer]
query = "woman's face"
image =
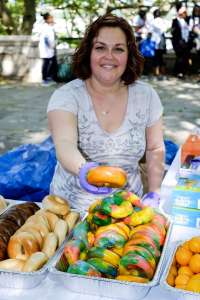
x,y
109,55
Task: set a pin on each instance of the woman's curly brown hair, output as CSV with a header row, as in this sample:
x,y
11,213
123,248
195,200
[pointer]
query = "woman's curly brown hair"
x,y
81,58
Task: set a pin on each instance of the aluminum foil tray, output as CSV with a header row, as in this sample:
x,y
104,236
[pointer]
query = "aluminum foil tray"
x,y
9,203
179,293
104,287
26,280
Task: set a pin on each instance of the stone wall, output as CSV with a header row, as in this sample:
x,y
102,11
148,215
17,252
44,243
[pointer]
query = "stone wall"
x,y
19,58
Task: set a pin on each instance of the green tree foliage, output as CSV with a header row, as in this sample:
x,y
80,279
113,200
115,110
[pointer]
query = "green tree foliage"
x,y
18,16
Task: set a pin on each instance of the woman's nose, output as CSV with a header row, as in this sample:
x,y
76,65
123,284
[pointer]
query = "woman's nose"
x,y
109,53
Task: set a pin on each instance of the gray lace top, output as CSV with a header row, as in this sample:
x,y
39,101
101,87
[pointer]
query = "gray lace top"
x,y
123,148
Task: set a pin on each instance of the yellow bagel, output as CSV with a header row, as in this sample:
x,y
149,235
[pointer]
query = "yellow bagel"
x,y
109,176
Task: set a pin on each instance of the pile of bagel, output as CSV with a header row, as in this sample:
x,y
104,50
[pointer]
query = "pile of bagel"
x,y
120,239
34,241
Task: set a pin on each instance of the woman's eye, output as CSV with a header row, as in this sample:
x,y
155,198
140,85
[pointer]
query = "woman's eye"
x,y
99,48
119,49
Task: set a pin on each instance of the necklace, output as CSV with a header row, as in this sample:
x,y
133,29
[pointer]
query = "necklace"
x,y
105,112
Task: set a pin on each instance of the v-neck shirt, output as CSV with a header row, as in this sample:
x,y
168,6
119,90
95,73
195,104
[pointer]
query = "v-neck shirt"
x,y
123,147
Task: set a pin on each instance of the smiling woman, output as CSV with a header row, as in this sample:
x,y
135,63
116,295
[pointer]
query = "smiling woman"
x,y
106,116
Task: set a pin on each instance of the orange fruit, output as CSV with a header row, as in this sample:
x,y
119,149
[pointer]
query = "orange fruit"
x,y
180,286
174,261
173,270
193,284
186,245
194,263
170,279
183,256
194,244
185,270
181,279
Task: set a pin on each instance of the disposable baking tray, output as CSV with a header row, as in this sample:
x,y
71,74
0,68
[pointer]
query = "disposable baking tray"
x,y
104,287
8,202
179,293
26,280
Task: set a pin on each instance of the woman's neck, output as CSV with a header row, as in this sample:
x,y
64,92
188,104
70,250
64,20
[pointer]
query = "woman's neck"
x,y
99,88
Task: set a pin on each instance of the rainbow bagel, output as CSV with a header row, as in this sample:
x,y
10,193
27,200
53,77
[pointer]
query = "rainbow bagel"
x,y
101,219
151,228
145,253
73,249
95,206
132,261
133,272
105,254
109,176
161,219
145,242
110,238
118,250
83,268
160,229
143,216
147,231
80,232
131,197
116,207
118,227
103,267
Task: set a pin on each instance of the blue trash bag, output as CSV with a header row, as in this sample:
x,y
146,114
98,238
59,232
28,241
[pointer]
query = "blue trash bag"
x,y
147,47
26,172
170,151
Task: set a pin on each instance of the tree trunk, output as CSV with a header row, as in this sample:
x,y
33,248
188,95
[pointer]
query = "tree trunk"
x,y
28,16
6,17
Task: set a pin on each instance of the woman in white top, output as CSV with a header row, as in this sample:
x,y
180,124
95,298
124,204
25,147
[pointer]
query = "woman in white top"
x,y
47,49
106,115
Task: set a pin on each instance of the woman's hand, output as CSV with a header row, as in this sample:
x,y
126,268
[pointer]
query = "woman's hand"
x,y
151,199
89,187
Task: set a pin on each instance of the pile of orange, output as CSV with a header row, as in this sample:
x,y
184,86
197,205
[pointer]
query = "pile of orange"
x,y
184,272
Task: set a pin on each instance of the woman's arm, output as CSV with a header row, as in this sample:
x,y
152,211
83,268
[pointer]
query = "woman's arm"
x,y
155,153
63,128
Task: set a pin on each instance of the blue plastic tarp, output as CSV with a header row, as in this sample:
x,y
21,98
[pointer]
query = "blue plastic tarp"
x,y
26,172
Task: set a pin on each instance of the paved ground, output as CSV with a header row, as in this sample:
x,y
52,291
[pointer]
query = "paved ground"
x,y
23,111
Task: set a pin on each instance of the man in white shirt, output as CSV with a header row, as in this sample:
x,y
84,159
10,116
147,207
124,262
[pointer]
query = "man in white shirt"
x,y
47,49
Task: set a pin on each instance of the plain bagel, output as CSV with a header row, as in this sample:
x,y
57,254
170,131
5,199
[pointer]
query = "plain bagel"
x,y
56,205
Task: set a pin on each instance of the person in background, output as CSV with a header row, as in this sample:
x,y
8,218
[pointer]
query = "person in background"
x,y
47,49
106,116
139,25
158,29
194,24
180,42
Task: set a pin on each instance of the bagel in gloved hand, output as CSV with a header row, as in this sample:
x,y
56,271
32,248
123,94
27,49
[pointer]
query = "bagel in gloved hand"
x,y
89,186
108,176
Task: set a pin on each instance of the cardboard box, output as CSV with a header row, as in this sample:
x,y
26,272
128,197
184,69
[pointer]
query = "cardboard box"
x,y
187,191
186,216
186,199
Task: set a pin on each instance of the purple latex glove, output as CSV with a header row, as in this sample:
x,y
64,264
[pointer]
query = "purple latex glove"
x,y
195,163
151,199
89,187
